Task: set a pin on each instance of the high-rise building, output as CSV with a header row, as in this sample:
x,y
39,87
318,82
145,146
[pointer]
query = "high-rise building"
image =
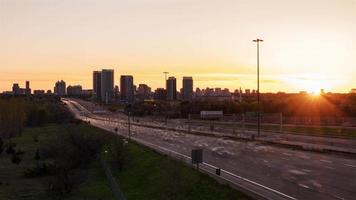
x,y
107,85
60,88
171,88
187,91
16,89
97,84
160,94
143,91
127,88
28,89
75,90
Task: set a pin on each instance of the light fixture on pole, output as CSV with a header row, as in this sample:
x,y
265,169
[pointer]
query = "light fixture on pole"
x,y
258,86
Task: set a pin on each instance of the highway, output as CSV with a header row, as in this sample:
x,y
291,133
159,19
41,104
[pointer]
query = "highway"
x,y
270,171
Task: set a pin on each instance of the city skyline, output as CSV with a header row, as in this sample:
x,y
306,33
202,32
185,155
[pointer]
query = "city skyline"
x,y
209,41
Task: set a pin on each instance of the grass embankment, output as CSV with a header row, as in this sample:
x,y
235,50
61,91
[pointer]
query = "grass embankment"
x,y
150,175
15,186
145,174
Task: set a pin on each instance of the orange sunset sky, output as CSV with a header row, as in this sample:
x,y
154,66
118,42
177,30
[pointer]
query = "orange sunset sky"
x,y
308,44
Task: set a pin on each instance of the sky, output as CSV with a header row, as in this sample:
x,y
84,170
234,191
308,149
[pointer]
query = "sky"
x,y
308,44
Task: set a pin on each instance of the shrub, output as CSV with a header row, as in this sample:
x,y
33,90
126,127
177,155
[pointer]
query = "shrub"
x,y
37,155
16,159
40,170
10,148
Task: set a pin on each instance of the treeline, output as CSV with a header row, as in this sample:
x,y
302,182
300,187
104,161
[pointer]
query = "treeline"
x,y
18,112
327,105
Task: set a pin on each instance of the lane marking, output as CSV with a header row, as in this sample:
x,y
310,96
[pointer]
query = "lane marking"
x,y
338,197
326,161
354,166
304,186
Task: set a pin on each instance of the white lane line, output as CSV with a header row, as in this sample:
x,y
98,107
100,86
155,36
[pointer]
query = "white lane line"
x,y
326,161
304,186
338,197
354,166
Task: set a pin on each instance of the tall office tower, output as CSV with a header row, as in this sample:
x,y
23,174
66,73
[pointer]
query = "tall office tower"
x,y
107,85
75,90
16,89
187,91
97,84
160,94
28,89
60,88
171,88
127,88
143,91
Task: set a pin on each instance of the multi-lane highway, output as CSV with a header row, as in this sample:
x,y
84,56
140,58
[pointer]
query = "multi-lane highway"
x,y
277,173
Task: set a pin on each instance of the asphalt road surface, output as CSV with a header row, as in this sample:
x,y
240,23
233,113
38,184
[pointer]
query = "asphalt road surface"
x,y
298,174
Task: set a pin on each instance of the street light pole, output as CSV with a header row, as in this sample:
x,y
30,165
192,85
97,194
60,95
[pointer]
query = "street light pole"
x,y
258,86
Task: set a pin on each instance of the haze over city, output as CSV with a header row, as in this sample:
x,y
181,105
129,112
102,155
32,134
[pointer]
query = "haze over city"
x,y
308,45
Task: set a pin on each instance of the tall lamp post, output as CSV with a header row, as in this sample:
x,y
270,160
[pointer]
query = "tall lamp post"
x,y
258,86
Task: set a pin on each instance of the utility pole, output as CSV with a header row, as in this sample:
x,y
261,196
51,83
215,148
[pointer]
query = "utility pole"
x,y
258,86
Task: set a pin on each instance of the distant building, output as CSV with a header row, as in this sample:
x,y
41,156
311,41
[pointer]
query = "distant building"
x,y
209,94
28,89
16,90
87,93
97,85
143,91
75,90
353,91
116,92
247,91
39,92
107,85
60,88
127,88
303,92
187,90
160,94
171,88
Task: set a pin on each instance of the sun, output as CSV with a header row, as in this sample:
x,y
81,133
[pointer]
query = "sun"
x,y
315,93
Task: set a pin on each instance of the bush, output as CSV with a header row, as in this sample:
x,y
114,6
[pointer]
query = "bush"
x,y
16,159
37,155
10,148
40,170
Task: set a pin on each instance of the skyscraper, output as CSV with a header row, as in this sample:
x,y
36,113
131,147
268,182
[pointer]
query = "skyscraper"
x,y
187,91
97,84
107,85
171,88
127,88
28,89
16,89
60,88
143,91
